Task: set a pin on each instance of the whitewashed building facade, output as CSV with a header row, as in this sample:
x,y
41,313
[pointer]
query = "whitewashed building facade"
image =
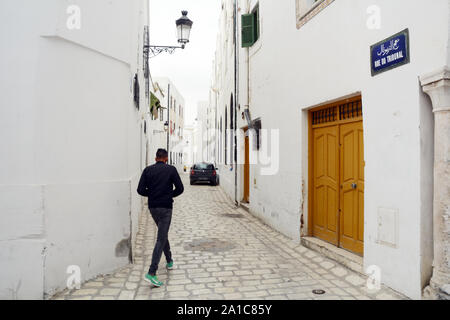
x,y
189,152
359,149
72,109
156,120
177,109
201,132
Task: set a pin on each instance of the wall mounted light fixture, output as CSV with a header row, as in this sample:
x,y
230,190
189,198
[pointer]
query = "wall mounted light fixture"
x,y
184,26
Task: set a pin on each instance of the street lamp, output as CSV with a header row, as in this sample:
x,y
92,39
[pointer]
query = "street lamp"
x,y
184,26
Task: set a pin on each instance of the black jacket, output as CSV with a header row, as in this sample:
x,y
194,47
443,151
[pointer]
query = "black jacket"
x,y
157,183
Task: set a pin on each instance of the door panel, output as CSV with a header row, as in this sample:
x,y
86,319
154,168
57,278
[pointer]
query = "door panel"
x,y
326,180
332,209
352,187
347,214
337,174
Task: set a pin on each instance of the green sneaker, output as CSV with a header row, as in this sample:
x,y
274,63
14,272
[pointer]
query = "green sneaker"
x,y
153,280
169,265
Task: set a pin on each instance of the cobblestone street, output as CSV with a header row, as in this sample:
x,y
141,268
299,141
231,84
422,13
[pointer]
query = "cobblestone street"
x,y
221,252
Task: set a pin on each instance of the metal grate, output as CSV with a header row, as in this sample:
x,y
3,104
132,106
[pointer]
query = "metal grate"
x,y
325,115
339,112
350,110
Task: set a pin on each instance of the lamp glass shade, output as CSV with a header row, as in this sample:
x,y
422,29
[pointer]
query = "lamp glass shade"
x,y
184,26
184,33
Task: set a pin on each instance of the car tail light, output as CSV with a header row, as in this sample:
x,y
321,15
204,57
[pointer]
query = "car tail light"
x,y
192,172
214,172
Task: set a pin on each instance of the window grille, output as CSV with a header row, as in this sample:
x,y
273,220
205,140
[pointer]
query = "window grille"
x,y
350,110
339,112
325,115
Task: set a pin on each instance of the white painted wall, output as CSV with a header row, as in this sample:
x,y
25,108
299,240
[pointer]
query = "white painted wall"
x,y
70,137
292,70
210,126
223,85
156,131
189,151
201,132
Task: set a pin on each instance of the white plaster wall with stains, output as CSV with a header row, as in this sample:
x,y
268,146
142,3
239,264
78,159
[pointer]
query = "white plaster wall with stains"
x,y
326,59
294,69
70,141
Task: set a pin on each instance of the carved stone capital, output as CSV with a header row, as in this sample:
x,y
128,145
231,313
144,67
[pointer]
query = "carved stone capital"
x,y
437,85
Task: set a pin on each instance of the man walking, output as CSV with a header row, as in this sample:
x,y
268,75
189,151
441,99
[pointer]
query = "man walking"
x,y
157,183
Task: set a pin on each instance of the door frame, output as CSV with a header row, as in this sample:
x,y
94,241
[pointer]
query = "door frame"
x,y
310,154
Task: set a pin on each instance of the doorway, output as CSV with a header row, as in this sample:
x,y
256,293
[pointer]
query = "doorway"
x,y
336,169
246,197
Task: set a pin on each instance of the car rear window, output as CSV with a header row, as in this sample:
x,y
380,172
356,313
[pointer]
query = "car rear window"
x,y
203,166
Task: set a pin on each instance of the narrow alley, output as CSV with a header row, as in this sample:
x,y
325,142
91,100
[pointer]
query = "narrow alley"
x,y
326,124
223,252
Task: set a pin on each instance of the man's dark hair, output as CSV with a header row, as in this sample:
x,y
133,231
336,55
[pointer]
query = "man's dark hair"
x,y
161,154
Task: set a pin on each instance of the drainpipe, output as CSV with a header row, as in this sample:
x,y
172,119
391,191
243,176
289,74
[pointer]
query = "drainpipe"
x,y
248,68
236,93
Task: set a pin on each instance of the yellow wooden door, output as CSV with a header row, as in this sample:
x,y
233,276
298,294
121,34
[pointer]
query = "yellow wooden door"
x,y
247,171
326,184
351,234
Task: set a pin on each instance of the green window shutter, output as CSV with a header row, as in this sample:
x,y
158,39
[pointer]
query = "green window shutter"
x,y
256,23
248,32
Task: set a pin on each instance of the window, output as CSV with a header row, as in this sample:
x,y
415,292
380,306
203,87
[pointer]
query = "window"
x,y
250,28
136,91
203,166
307,9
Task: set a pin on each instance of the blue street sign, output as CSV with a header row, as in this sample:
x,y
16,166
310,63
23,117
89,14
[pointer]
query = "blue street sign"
x,y
390,53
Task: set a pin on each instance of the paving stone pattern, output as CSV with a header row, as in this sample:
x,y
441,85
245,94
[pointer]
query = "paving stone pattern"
x,y
222,252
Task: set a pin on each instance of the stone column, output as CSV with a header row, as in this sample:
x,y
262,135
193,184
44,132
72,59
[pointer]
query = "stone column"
x,y
437,86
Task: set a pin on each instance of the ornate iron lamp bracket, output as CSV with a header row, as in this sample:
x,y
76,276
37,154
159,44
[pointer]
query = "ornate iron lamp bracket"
x,y
153,51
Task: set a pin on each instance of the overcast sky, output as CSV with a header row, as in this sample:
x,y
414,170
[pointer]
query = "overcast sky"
x,y
189,69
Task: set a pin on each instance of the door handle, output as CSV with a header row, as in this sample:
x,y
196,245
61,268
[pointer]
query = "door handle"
x,y
354,185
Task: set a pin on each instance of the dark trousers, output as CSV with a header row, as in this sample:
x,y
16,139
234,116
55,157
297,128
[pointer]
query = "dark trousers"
x,y
162,218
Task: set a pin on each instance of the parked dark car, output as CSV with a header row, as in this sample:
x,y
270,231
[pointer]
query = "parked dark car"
x,y
204,172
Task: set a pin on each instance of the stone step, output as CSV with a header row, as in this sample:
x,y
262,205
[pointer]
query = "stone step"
x,y
344,257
